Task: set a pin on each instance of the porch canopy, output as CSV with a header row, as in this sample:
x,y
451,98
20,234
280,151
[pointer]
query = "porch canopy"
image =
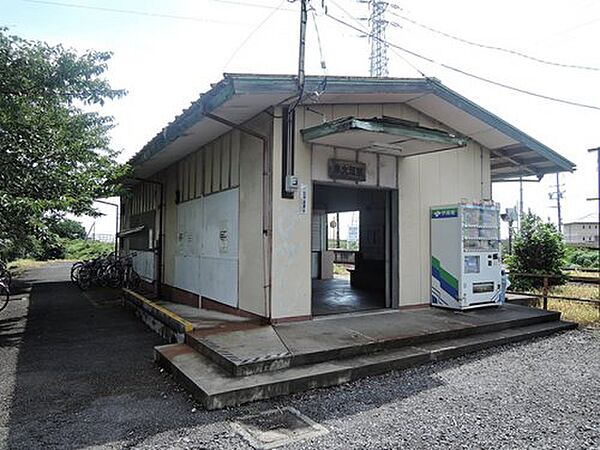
x,y
240,97
386,135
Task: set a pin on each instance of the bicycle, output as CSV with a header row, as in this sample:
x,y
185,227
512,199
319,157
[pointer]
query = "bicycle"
x,y
108,270
5,274
4,294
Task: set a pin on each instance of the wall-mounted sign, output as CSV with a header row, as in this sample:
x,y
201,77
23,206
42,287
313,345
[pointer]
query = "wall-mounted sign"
x,y
339,169
303,199
223,237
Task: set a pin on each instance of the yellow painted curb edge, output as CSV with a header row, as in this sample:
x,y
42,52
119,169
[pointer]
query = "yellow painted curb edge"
x,y
188,326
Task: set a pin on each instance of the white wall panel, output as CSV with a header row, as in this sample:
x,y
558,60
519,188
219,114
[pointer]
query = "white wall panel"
x,y
219,259
370,160
189,246
143,264
388,169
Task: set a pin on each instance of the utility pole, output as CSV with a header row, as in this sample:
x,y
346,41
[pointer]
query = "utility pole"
x,y
557,195
116,223
597,199
302,44
520,218
379,47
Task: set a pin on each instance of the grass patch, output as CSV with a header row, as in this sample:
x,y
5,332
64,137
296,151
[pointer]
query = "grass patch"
x,y
582,313
79,249
19,266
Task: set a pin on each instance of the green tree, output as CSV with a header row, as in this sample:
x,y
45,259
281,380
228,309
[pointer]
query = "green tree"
x,y
68,229
54,145
538,248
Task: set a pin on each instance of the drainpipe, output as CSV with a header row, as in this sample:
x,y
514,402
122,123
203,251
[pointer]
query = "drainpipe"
x,y
161,234
116,223
266,207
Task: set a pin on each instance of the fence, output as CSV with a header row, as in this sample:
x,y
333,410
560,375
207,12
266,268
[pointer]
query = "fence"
x,y
545,295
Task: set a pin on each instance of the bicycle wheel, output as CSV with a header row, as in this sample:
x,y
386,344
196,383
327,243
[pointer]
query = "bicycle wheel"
x,y
4,295
84,279
114,276
75,268
5,276
133,280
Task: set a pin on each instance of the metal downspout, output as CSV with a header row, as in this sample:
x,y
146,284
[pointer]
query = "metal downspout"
x,y
266,207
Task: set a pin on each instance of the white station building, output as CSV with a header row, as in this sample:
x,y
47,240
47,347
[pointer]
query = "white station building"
x,y
233,200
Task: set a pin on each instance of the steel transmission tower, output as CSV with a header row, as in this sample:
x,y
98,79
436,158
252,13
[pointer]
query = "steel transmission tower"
x,y
379,47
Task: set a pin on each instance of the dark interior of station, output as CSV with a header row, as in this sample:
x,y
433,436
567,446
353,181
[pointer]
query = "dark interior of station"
x,y
360,277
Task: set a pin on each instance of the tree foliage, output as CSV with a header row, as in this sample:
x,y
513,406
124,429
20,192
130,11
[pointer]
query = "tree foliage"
x,y
538,248
54,145
585,258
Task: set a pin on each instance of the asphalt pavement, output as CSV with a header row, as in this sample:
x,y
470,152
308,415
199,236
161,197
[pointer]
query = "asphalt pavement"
x,y
76,371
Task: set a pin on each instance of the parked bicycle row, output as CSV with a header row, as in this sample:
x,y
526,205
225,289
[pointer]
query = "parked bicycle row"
x,y
5,280
106,271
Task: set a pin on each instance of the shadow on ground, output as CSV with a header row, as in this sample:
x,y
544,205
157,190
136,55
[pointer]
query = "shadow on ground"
x,y
84,372
85,377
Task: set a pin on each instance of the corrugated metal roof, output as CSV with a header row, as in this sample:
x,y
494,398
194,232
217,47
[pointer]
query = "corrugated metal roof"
x,y
239,97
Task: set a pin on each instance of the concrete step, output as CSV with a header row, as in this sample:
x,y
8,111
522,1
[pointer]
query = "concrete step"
x,y
217,388
272,348
162,321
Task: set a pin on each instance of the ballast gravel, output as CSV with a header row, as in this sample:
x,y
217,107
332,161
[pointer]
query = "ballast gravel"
x,y
85,379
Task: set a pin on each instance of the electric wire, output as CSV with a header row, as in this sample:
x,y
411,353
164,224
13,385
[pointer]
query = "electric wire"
x,y
366,32
161,15
323,84
468,74
493,47
249,36
135,12
252,5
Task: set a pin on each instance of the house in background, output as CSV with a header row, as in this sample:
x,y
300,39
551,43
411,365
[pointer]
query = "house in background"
x,y
233,199
583,232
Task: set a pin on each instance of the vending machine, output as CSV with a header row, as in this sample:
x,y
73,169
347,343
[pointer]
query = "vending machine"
x,y
465,256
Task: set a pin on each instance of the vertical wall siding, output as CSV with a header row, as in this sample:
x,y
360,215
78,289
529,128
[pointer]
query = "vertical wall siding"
x,y
210,169
143,197
201,173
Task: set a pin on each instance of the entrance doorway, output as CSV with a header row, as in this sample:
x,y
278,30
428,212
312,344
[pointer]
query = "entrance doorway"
x,y
354,249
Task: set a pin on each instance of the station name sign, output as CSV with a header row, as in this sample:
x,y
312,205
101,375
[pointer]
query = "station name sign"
x,y
339,169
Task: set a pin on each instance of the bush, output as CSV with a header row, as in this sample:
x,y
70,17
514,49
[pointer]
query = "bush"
x,y
68,229
80,249
582,258
538,248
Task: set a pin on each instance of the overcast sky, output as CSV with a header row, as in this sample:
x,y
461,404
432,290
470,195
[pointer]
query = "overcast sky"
x,y
166,62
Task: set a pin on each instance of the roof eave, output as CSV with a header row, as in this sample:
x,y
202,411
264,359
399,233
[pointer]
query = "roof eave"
x,y
207,103
496,122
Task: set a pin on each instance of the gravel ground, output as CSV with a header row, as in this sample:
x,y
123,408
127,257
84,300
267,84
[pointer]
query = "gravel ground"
x,y
76,372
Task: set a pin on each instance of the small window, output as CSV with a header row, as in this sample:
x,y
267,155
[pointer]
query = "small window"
x,y
343,231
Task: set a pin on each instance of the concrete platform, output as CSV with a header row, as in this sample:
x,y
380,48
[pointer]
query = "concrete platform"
x,y
276,347
216,388
226,368
173,320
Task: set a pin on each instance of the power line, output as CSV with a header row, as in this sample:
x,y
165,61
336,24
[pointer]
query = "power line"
x,y
364,32
150,14
492,47
253,5
323,63
471,75
249,36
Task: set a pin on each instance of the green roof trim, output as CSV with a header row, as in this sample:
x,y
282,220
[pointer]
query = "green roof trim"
x,y
384,125
496,122
207,103
286,86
